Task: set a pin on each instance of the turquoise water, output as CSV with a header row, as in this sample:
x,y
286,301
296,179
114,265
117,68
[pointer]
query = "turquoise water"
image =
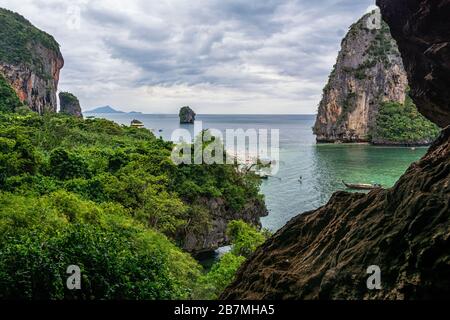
x,y
322,167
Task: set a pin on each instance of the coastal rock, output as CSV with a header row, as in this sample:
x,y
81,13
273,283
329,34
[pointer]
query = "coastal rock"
x,y
31,63
421,29
187,115
405,231
324,254
213,235
369,70
69,104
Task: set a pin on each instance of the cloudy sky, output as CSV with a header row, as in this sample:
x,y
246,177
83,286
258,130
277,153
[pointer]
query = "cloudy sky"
x,y
219,56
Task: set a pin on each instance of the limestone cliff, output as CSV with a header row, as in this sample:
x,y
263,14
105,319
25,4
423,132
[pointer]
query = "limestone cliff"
x,y
187,115
30,60
212,234
421,29
368,71
69,104
324,254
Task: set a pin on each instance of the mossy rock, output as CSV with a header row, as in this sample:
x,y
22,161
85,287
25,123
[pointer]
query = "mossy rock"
x,y
18,37
9,101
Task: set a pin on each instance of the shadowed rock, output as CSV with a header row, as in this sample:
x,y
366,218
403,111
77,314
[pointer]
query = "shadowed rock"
x,y
324,254
69,104
422,31
187,115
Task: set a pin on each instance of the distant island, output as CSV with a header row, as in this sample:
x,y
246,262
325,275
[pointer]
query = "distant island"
x,y
108,109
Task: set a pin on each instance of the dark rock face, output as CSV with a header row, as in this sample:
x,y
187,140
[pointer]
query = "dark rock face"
x,y
213,236
187,115
422,31
324,254
69,104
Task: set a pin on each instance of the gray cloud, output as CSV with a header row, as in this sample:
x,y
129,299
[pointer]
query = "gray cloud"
x,y
272,56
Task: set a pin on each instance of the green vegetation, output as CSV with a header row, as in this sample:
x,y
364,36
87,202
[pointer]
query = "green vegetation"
x,y
108,199
17,36
382,46
403,124
68,98
9,101
378,51
245,239
119,259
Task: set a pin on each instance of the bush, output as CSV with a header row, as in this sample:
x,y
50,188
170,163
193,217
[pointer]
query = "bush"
x,y
402,123
9,101
119,259
245,240
66,165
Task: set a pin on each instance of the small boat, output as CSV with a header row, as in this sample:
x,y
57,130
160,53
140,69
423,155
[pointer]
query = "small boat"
x,y
362,186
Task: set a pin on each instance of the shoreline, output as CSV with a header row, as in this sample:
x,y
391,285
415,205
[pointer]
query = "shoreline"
x,y
389,145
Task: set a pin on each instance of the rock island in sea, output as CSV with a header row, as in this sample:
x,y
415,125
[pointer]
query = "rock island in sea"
x,y
366,98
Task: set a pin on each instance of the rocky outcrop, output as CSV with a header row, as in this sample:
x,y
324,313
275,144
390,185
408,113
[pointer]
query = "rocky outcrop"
x,y
187,115
31,62
325,254
69,104
421,29
368,71
405,231
213,234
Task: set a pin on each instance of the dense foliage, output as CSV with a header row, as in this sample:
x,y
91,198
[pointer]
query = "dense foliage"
x,y
9,101
17,34
245,239
402,123
119,258
107,198
68,99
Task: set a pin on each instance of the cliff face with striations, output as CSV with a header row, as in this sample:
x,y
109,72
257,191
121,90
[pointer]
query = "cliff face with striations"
x,y
324,254
368,71
30,60
422,31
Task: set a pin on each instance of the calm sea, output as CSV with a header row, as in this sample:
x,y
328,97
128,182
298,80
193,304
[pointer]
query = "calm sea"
x,y
321,167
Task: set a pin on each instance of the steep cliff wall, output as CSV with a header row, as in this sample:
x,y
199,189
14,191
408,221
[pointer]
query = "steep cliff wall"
x,y
405,231
368,71
422,31
69,104
30,60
